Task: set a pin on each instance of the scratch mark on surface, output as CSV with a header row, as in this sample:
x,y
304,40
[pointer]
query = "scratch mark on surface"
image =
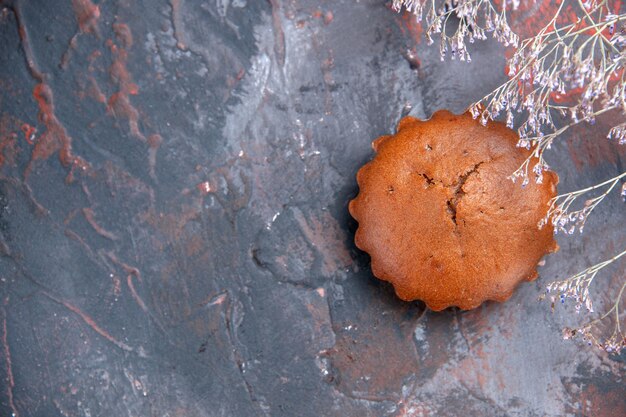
x,y
25,189
65,58
177,23
87,15
4,246
55,138
131,286
119,104
154,143
89,321
216,300
25,43
90,217
131,272
232,321
279,34
28,191
90,253
7,356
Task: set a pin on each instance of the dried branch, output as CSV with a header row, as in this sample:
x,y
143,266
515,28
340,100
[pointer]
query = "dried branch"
x,y
574,71
475,19
564,75
583,60
577,288
560,216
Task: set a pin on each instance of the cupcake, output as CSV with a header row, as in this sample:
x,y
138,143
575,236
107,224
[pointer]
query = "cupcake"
x,y
439,218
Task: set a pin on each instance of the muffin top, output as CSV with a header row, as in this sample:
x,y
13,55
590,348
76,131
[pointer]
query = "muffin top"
x,y
439,217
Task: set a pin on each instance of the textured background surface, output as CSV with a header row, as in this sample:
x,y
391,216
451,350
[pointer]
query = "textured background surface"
x,y
174,234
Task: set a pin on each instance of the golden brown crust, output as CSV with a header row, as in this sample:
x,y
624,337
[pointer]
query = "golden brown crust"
x,y
439,218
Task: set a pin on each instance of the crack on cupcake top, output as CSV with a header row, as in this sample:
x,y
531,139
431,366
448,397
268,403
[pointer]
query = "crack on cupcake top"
x,y
456,188
429,180
458,192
